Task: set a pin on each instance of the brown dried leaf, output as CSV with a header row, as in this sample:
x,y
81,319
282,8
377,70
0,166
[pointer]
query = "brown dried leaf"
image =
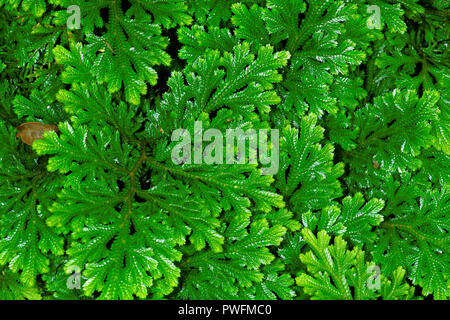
x,y
376,165
30,131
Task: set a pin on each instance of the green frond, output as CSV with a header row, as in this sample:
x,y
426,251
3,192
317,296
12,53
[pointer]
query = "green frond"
x,y
311,181
337,273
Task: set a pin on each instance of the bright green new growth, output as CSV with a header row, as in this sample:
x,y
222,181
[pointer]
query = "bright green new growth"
x,y
333,270
364,163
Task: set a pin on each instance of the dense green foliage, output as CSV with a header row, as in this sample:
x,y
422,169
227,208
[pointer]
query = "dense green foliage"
x,y
364,177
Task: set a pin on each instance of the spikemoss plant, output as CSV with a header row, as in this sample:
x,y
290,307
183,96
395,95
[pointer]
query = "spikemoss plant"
x,y
98,210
